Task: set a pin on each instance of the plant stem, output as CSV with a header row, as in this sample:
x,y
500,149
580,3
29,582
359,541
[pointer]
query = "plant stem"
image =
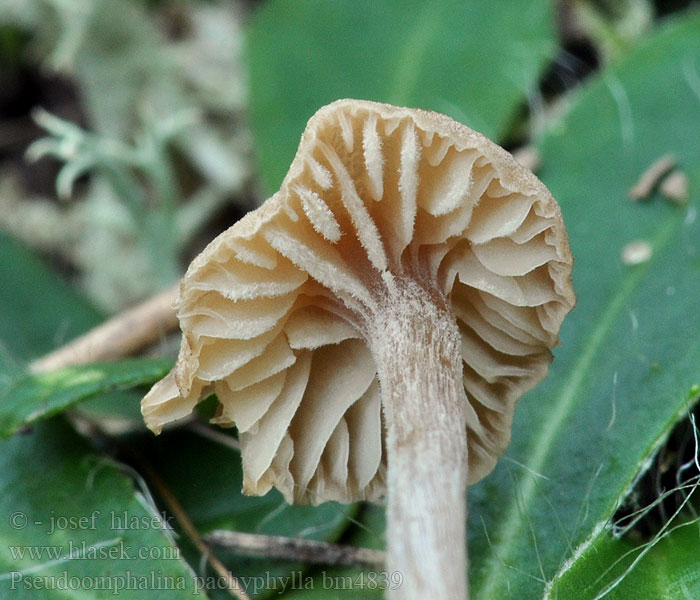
x,y
416,344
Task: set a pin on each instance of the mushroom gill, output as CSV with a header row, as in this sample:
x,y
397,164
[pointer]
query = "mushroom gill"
x,y
390,222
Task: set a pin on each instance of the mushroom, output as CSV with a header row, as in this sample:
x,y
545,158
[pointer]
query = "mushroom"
x,y
370,327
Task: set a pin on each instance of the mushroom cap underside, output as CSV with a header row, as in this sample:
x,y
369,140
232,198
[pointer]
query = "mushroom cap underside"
x,y
275,312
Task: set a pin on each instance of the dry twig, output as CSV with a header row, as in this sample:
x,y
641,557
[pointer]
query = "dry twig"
x,y
289,548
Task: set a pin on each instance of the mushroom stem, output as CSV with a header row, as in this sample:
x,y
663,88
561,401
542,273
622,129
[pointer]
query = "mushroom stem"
x,y
416,344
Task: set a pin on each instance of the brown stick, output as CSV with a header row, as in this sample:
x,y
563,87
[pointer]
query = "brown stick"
x,y
289,548
120,336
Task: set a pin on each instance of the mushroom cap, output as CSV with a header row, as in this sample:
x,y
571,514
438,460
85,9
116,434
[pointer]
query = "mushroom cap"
x,y
275,311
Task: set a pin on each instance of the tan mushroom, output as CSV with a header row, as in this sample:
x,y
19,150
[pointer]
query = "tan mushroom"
x,y
369,329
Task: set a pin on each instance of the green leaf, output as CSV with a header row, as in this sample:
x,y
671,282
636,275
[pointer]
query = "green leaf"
x,y
35,397
73,526
39,311
617,562
475,61
631,350
663,569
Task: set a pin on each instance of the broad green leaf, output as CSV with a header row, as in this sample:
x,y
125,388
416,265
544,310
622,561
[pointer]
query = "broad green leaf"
x,y
630,357
72,526
31,398
616,564
664,568
39,311
206,477
474,60
49,474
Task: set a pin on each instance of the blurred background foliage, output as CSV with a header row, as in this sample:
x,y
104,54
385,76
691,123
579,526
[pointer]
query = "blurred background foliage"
x,y
164,106
134,131
155,94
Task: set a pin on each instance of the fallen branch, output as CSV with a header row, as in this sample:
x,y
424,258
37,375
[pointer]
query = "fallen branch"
x,y
122,335
296,549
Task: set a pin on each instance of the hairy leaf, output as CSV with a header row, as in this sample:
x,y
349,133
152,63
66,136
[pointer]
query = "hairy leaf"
x,y
631,350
